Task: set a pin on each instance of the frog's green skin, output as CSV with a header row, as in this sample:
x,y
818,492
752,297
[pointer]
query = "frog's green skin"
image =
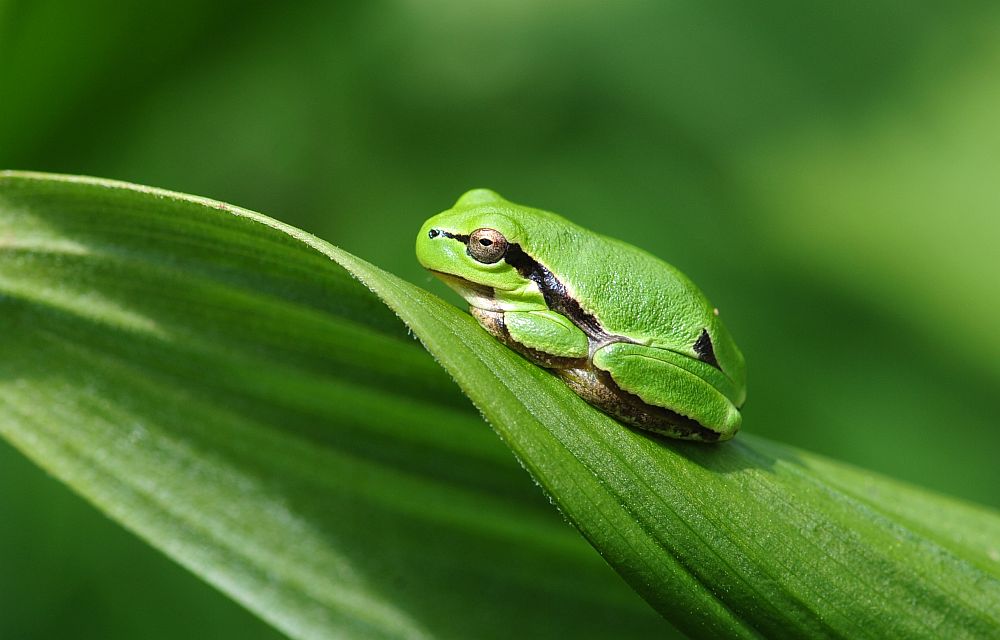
x,y
625,330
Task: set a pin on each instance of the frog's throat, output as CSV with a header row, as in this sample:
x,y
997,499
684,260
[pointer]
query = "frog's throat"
x,y
478,295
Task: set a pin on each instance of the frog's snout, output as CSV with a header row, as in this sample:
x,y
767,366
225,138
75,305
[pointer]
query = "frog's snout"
x,y
434,250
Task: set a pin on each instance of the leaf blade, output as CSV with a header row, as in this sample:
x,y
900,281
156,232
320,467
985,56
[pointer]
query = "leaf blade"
x,y
744,539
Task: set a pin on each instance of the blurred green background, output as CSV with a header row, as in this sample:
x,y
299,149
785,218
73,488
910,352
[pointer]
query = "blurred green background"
x,y
830,176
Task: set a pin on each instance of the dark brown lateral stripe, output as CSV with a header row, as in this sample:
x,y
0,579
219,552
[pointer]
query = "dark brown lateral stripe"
x,y
554,292
461,237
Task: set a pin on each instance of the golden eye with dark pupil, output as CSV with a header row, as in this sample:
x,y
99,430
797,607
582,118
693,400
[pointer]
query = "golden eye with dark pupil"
x,y
487,245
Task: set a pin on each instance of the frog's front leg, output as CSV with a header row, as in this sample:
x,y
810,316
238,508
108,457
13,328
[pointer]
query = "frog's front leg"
x,y
659,390
544,337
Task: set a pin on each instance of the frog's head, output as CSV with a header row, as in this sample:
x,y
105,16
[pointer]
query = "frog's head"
x,y
466,245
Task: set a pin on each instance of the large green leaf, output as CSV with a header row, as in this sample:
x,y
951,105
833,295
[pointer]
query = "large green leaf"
x,y
217,382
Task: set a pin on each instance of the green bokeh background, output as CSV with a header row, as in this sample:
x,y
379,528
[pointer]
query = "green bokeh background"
x,y
829,175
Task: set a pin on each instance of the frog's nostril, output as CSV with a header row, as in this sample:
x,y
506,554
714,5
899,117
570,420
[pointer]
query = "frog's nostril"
x,y
433,233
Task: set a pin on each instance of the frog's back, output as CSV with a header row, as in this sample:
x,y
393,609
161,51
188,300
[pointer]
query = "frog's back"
x,y
632,292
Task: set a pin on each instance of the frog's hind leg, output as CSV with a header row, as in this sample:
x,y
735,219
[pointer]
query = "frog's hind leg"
x,y
658,390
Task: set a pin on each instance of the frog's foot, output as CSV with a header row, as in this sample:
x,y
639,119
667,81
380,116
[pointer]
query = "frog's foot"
x,y
526,331
659,390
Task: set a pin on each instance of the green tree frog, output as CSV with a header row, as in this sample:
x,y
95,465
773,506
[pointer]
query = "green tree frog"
x,y
626,331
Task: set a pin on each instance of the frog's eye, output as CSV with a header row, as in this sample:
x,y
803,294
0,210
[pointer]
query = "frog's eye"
x,y
487,245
